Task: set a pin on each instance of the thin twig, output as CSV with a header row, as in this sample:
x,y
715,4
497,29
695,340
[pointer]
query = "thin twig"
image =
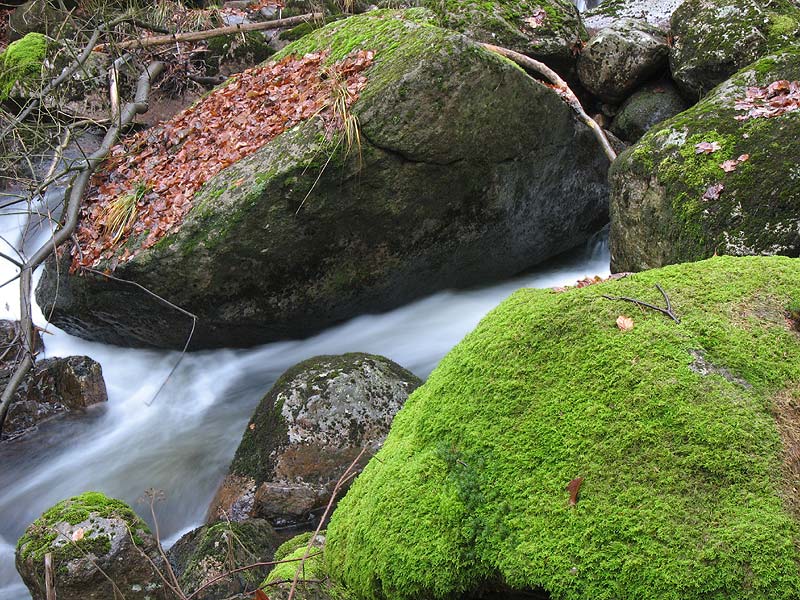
x,y
664,311
177,586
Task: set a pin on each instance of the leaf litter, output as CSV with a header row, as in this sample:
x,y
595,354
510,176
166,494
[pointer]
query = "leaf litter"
x,y
773,100
166,165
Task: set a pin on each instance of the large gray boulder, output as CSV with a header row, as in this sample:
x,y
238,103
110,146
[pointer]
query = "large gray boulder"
x,y
306,432
621,57
715,38
97,544
719,178
469,171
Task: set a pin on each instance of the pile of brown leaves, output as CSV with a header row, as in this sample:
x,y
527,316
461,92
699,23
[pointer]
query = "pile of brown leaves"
x,y
773,100
587,281
5,14
166,165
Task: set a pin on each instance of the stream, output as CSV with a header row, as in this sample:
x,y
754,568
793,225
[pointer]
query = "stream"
x,y
182,441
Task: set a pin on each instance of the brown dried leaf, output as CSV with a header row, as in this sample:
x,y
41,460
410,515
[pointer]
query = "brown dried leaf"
x,y
624,323
713,192
706,147
573,488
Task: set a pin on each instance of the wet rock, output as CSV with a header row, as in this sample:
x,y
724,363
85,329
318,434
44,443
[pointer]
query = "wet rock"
x,y
715,38
672,201
655,12
217,549
462,175
305,433
53,387
98,544
619,58
645,108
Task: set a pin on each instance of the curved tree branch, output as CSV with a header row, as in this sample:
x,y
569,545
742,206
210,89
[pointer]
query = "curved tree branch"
x,y
526,62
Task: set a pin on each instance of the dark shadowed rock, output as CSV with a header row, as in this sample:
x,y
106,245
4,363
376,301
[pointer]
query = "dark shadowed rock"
x,y
305,433
645,108
219,548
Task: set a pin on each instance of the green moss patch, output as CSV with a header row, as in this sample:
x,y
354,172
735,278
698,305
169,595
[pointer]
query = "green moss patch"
x,y
682,494
22,61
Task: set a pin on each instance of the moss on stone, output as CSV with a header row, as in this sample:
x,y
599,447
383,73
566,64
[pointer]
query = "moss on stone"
x,y
22,61
290,546
313,567
682,490
757,209
40,536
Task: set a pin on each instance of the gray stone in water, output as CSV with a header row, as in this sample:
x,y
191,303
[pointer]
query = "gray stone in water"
x,y
305,433
621,57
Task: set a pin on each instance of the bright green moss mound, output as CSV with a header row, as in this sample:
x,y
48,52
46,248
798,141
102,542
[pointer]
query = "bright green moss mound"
x,y
681,496
22,60
40,536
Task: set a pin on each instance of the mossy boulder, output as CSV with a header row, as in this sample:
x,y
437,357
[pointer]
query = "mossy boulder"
x,y
21,64
98,544
655,12
39,16
715,38
306,432
645,108
548,30
621,57
213,550
469,170
679,441
665,203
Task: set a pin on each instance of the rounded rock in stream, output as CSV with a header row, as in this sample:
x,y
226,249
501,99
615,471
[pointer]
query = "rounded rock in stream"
x,y
468,171
98,544
306,432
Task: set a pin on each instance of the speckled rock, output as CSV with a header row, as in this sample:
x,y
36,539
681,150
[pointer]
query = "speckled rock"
x,y
306,431
645,108
655,12
213,550
92,538
671,202
621,57
463,175
55,386
715,38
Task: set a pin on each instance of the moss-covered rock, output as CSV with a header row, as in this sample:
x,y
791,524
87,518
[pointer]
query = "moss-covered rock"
x,y
655,12
469,170
21,64
213,550
307,431
548,30
39,16
715,38
663,210
98,544
313,582
645,108
621,57
682,435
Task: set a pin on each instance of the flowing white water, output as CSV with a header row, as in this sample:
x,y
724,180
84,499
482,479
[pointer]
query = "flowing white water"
x,y
183,442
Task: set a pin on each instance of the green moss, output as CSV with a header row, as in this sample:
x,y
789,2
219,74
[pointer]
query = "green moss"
x,y
22,61
290,546
40,536
682,490
312,568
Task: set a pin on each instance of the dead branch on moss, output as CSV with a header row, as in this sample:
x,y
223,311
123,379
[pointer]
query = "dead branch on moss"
x,y
197,36
664,311
562,88
73,195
